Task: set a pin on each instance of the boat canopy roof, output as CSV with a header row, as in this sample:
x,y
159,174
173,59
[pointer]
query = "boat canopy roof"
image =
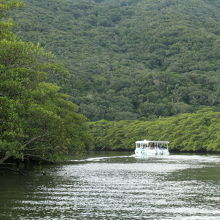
x,y
155,142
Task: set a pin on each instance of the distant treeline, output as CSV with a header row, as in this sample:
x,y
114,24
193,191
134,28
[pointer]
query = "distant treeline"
x,y
196,132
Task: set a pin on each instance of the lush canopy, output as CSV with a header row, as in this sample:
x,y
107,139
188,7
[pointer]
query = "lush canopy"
x,y
131,59
35,117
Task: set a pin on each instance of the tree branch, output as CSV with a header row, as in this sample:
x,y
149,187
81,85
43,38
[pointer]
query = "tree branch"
x,y
4,159
34,139
38,158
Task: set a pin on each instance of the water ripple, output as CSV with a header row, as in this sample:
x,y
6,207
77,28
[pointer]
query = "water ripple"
x,y
175,187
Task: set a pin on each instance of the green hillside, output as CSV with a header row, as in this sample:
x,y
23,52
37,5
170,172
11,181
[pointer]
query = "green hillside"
x,y
131,59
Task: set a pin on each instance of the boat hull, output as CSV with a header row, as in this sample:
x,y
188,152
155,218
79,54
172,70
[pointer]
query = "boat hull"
x,y
141,152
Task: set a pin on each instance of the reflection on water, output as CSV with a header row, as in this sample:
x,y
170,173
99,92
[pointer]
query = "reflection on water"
x,y
116,187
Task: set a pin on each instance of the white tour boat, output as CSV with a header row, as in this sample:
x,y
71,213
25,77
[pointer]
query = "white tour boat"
x,y
150,148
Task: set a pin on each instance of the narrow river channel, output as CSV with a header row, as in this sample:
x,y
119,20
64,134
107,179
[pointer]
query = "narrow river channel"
x,y
116,186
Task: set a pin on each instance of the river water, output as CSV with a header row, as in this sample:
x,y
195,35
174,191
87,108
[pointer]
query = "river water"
x,y
116,186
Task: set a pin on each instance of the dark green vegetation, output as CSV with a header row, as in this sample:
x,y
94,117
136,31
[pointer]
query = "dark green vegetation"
x,y
127,59
131,59
36,119
189,132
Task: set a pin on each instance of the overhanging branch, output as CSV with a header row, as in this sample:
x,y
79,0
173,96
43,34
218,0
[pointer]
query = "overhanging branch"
x,y
35,138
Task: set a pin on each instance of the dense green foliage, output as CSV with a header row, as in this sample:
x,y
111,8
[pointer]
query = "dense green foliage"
x,y
131,59
35,118
189,132
128,59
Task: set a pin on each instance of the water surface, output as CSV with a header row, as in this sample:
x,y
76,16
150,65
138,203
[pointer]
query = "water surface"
x,y
117,186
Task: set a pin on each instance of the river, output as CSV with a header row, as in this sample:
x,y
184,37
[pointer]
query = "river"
x,y
116,186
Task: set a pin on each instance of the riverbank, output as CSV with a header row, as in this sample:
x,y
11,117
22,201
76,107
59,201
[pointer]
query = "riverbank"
x,y
190,132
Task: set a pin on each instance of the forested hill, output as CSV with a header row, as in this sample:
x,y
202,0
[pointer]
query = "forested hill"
x,y
131,59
